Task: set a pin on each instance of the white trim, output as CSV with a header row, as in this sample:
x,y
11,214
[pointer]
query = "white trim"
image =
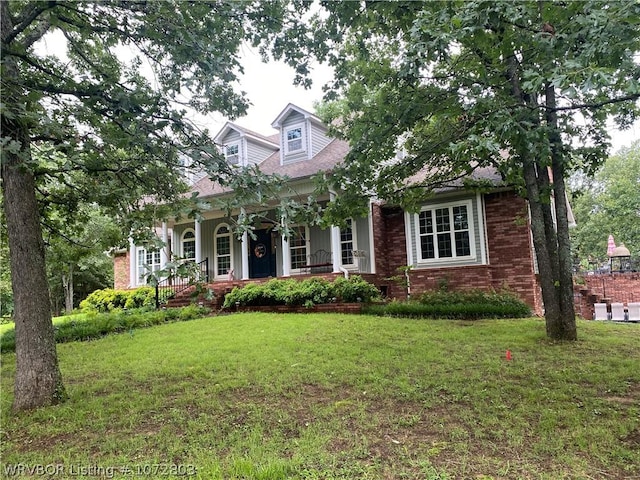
x,y
306,249
303,139
164,253
408,218
354,245
155,266
238,157
470,228
198,232
277,123
482,228
309,135
133,261
216,275
194,240
372,251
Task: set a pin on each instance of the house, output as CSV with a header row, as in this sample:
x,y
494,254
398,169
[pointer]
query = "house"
x,y
459,238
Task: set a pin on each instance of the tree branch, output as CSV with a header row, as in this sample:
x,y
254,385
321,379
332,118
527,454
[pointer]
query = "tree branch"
x,y
634,96
27,18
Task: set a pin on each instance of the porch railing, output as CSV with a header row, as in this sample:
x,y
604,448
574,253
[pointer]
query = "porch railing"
x,y
171,286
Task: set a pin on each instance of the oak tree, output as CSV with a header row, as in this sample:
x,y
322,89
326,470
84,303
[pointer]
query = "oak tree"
x,y
524,87
108,110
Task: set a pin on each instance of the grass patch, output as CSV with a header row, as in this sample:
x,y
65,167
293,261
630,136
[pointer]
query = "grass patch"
x,y
93,325
327,396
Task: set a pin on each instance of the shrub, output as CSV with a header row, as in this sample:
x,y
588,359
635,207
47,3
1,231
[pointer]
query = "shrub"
x,y
355,289
457,305
308,292
108,299
96,325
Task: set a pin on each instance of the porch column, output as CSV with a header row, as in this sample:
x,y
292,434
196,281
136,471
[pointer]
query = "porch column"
x,y
245,251
372,247
336,251
286,257
198,231
164,253
335,248
133,261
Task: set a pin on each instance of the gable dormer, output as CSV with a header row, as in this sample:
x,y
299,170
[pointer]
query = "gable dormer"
x,y
302,134
243,147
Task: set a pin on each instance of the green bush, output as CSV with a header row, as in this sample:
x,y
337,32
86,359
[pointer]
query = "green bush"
x,y
308,292
96,325
355,289
456,305
108,299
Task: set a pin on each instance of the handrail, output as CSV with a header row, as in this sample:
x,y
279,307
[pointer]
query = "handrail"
x,y
172,285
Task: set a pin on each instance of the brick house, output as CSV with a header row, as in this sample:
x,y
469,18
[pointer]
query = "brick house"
x,y
459,238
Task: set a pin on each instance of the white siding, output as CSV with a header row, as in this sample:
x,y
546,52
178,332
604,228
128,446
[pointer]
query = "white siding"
x,y
256,153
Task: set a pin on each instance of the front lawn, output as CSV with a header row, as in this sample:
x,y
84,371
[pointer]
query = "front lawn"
x,y
326,396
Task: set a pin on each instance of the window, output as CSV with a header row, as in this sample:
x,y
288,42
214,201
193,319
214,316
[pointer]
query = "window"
x,y
223,250
298,247
232,154
189,245
294,140
347,243
445,232
147,263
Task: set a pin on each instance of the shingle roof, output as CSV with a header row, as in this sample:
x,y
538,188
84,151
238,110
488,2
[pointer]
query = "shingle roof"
x,y
325,160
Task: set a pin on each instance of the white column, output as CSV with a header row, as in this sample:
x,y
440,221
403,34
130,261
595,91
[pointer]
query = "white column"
x,y
133,262
164,253
372,249
286,257
336,251
198,231
244,247
245,256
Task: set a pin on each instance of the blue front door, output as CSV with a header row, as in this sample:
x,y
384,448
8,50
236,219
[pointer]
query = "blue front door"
x,y
262,261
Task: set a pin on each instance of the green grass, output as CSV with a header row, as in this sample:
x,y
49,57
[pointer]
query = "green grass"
x,y
311,396
5,327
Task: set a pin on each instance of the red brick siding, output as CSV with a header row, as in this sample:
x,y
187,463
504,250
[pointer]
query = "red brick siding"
x,y
121,271
509,253
510,246
609,288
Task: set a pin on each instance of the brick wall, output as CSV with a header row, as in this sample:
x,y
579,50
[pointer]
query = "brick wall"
x,y
509,244
606,288
121,270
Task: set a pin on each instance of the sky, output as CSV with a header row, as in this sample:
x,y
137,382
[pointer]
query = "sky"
x,y
270,88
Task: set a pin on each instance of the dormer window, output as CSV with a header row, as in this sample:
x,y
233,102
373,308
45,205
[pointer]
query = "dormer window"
x,y
294,140
232,154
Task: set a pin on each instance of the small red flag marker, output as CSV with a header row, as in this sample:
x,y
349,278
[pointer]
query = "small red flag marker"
x,y
508,354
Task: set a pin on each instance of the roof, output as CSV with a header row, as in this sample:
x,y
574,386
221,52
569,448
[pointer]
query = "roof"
x,y
271,141
325,160
277,123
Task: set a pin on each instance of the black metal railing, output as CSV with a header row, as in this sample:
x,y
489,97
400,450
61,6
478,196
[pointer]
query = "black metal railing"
x,y
615,265
172,285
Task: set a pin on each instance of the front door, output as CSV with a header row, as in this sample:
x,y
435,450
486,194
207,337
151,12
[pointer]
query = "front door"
x,y
262,261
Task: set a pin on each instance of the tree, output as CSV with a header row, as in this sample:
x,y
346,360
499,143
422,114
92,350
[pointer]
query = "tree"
x,y
608,204
78,261
525,87
110,134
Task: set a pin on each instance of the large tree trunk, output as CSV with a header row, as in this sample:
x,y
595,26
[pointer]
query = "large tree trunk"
x,y
38,381
566,328
551,241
